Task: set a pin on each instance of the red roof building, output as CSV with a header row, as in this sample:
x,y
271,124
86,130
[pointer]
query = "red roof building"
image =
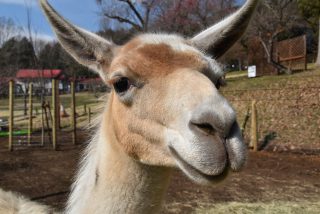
x,y
46,73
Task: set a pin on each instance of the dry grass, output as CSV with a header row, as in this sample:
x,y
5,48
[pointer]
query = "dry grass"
x,y
21,121
288,106
261,208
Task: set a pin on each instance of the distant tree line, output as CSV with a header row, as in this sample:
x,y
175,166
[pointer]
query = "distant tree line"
x,y
19,53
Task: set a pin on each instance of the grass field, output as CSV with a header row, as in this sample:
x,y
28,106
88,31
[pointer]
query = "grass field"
x,y
288,106
21,121
261,208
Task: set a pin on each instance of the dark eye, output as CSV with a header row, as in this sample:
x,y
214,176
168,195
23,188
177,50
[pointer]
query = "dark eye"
x,y
122,85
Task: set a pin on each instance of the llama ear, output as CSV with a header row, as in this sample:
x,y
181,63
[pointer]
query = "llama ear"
x,y
87,48
217,39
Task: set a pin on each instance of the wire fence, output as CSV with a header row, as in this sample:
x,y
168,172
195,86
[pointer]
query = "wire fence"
x,y
291,115
290,53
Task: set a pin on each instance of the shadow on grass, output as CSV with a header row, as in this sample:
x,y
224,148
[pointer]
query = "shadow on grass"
x,y
267,139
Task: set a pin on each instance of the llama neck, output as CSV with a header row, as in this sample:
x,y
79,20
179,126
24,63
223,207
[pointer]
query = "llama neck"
x,y
111,182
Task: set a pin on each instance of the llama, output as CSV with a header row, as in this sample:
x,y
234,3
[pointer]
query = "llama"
x,y
164,112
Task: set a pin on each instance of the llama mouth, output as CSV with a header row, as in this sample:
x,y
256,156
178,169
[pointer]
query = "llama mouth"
x,y
195,174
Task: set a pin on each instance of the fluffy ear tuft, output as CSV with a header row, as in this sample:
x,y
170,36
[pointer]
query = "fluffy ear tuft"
x,y
87,48
217,39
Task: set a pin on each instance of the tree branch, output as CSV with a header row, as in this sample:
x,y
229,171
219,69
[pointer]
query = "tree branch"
x,y
124,20
135,11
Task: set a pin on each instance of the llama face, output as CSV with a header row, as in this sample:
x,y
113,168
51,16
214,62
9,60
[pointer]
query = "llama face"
x,y
168,111
165,108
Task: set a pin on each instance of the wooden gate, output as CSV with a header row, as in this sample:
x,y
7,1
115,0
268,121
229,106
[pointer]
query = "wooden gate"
x,y
292,53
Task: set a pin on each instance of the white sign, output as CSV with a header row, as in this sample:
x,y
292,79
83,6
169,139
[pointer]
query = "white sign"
x,y
252,71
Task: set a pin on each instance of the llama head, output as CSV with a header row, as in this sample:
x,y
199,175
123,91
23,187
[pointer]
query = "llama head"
x,y
165,108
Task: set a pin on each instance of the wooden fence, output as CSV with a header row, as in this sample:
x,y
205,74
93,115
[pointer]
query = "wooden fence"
x,y
50,117
291,53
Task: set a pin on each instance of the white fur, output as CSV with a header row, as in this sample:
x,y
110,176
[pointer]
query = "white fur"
x,y
11,203
176,42
85,179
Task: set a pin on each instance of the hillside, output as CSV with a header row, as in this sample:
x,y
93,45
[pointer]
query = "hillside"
x,y
288,107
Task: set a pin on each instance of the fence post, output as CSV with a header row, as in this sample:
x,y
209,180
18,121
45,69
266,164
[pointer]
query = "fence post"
x,y
42,122
73,113
254,126
30,113
85,109
58,105
89,115
54,115
11,113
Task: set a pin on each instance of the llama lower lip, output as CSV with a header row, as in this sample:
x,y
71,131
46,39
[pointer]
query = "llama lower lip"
x,y
193,172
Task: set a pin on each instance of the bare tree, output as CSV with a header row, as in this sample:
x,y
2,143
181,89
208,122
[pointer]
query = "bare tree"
x,y
33,40
134,14
272,18
8,29
189,16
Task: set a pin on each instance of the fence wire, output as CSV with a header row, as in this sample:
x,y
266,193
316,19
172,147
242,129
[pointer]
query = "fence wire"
x,y
290,115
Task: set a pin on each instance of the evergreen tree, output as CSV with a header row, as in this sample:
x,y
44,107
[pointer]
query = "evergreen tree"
x,y
53,56
25,54
16,54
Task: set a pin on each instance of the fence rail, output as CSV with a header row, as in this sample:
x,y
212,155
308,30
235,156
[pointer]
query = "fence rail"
x,y
39,123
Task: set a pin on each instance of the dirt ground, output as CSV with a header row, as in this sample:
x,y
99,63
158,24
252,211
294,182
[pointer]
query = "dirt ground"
x,y
46,175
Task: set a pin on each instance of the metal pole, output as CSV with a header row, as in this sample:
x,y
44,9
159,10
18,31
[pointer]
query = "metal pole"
x,y
11,113
58,105
42,122
73,113
30,113
54,115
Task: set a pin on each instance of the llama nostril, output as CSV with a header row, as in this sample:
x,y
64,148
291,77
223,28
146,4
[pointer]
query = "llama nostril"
x,y
204,127
232,129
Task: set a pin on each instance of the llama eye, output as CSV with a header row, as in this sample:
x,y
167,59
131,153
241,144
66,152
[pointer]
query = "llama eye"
x,y
122,85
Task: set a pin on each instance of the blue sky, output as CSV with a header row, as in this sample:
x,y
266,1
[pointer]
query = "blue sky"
x,y
84,13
